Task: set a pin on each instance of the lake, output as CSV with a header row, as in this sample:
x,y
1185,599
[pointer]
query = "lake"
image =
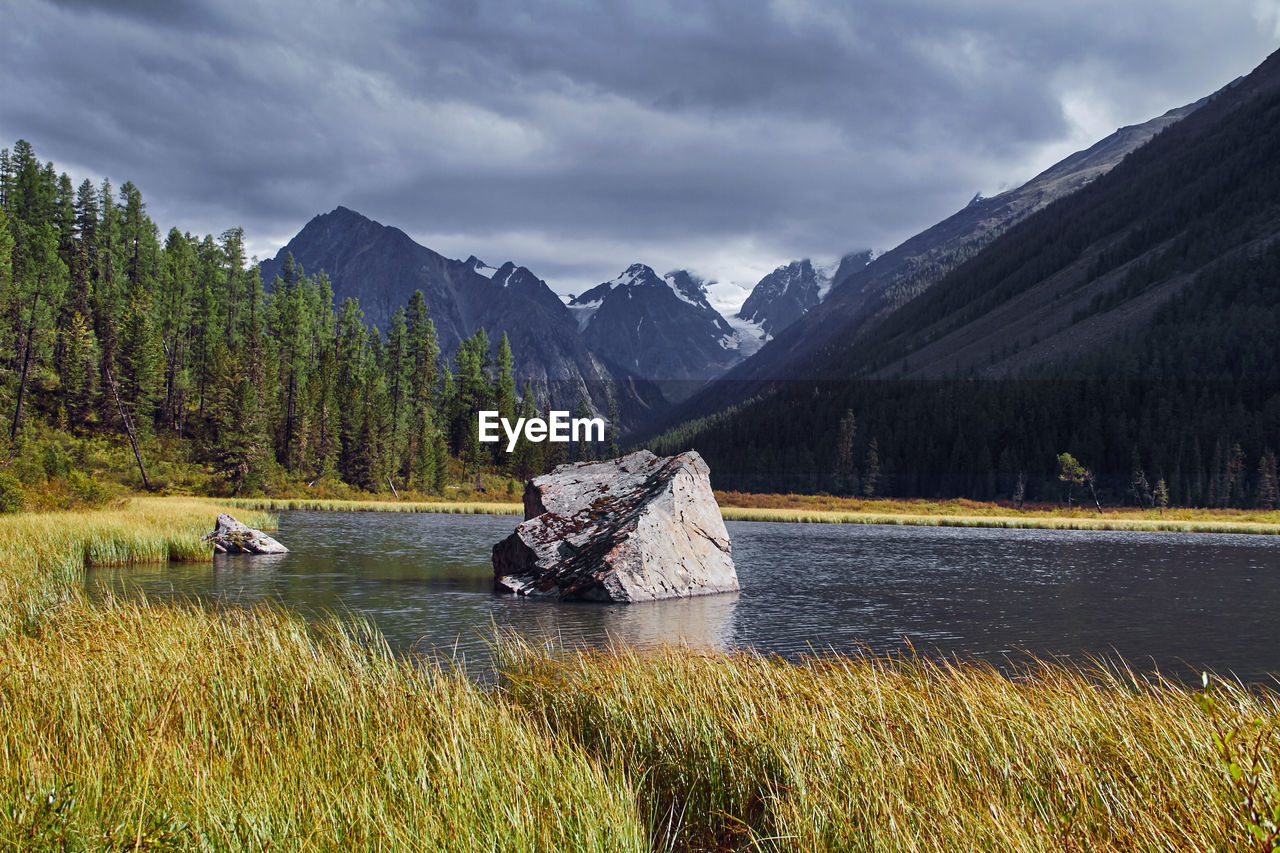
x,y
1177,602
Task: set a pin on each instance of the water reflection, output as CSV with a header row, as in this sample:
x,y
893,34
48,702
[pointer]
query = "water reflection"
x,y
1177,601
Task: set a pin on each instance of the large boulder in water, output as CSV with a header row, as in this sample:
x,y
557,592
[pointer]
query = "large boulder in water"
x,y
636,528
230,536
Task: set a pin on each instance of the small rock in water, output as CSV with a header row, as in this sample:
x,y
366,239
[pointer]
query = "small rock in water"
x,y
636,528
229,536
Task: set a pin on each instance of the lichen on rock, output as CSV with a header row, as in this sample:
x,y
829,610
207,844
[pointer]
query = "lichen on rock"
x,y
230,536
635,528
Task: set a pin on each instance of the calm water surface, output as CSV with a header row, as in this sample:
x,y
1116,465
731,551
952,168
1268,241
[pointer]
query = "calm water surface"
x,y
1179,602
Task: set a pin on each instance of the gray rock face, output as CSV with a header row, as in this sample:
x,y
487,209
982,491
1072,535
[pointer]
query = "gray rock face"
x,y
662,329
781,297
382,267
636,528
229,536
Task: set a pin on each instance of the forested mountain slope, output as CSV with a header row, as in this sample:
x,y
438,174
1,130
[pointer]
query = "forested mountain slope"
x,y
1130,323
864,294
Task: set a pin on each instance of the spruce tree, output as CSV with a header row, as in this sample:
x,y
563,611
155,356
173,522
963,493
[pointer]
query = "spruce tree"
x,y
526,459
40,278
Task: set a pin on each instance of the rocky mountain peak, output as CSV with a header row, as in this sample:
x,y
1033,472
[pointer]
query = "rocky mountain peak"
x,y
784,295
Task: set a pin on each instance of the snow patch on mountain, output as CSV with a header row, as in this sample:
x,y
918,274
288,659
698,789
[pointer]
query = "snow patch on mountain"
x,y
673,282
826,277
748,336
481,267
583,312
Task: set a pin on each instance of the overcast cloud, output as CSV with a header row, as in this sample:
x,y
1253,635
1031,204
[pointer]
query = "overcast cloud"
x,y
726,136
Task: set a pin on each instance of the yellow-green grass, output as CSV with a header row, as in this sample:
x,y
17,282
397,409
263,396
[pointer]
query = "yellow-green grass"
x,y
130,726
816,510
1045,521
125,725
324,504
871,753
43,554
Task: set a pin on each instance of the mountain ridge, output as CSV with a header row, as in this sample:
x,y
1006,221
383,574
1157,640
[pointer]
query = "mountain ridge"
x,y
1130,323
380,266
866,294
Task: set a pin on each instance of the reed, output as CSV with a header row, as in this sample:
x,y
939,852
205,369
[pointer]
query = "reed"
x,y
742,751
127,725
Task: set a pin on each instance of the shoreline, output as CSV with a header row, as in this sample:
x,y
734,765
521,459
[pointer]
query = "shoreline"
x,y
896,513
168,726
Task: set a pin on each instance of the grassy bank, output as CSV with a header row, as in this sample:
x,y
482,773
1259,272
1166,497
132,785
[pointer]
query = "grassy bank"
x,y
1032,521
820,509
128,726
453,507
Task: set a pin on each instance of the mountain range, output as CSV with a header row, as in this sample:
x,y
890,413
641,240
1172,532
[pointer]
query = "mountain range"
x,y
647,339
381,266
1032,281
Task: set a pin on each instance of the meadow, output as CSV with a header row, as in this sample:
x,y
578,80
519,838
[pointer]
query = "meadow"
x,y
131,726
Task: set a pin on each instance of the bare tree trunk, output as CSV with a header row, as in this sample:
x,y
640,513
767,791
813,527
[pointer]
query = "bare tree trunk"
x,y
128,428
1093,492
22,388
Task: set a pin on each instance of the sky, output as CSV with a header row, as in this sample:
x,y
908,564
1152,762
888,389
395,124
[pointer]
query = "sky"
x,y
574,137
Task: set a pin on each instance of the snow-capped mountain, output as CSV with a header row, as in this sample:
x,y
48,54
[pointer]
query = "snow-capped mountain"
x,y
661,328
784,295
382,267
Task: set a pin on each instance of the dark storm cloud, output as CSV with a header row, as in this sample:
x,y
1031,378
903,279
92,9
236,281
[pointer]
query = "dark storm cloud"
x,y
576,137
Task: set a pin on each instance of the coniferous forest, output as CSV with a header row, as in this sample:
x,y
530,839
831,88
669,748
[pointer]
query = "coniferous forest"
x,y
165,362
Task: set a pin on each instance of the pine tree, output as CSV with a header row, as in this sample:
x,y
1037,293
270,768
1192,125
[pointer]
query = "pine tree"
x,y
1161,495
505,395
614,449
7,179
1268,491
1070,472
350,357
178,272
871,479
79,370
526,459
141,376
424,427
8,290
472,392
40,278
109,293
397,368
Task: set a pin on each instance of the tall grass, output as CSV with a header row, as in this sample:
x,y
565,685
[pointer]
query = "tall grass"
x,y
130,726
43,555
127,726
868,753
